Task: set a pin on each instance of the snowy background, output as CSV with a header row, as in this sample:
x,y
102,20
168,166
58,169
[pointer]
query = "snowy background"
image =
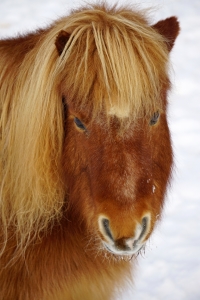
x,y
170,268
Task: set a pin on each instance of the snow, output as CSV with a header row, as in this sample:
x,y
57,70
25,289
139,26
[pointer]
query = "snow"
x,y
170,268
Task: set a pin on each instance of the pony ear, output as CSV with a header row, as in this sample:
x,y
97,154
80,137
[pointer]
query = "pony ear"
x,y
61,41
169,28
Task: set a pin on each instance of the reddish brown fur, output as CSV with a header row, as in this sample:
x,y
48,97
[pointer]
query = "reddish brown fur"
x,y
106,172
168,28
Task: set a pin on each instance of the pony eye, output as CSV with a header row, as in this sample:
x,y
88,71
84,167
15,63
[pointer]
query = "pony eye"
x,y
79,124
155,118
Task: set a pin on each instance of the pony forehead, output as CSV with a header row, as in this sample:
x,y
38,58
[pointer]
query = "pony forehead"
x,y
118,63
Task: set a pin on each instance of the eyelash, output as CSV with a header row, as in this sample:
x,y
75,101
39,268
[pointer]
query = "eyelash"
x,y
154,118
79,124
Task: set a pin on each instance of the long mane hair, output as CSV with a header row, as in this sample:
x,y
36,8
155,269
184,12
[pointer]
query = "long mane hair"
x,y
32,192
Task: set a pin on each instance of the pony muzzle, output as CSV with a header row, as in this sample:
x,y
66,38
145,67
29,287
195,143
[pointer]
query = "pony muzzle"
x,y
124,245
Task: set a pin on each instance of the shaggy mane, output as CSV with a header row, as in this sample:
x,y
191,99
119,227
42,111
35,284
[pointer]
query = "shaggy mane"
x,y
113,62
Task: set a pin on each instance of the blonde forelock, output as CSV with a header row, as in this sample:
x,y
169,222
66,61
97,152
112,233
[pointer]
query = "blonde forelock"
x,y
114,62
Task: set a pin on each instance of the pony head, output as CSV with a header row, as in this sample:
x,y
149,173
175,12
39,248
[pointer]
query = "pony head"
x,y
114,84
85,129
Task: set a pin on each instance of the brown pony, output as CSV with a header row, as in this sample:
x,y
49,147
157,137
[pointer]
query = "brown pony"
x,y
85,152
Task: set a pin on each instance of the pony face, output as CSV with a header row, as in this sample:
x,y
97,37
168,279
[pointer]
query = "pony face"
x,y
87,113
120,177
117,152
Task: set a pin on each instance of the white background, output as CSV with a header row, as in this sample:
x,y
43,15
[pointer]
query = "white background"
x,y
170,268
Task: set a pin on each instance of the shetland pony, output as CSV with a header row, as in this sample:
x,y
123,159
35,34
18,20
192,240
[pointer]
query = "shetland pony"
x,y
86,154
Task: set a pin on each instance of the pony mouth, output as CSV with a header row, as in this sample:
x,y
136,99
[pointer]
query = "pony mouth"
x,y
124,253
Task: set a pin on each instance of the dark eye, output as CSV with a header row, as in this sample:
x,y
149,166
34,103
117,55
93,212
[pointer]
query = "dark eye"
x,y
79,124
155,118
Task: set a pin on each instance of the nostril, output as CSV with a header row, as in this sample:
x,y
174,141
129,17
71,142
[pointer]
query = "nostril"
x,y
144,227
141,232
105,227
